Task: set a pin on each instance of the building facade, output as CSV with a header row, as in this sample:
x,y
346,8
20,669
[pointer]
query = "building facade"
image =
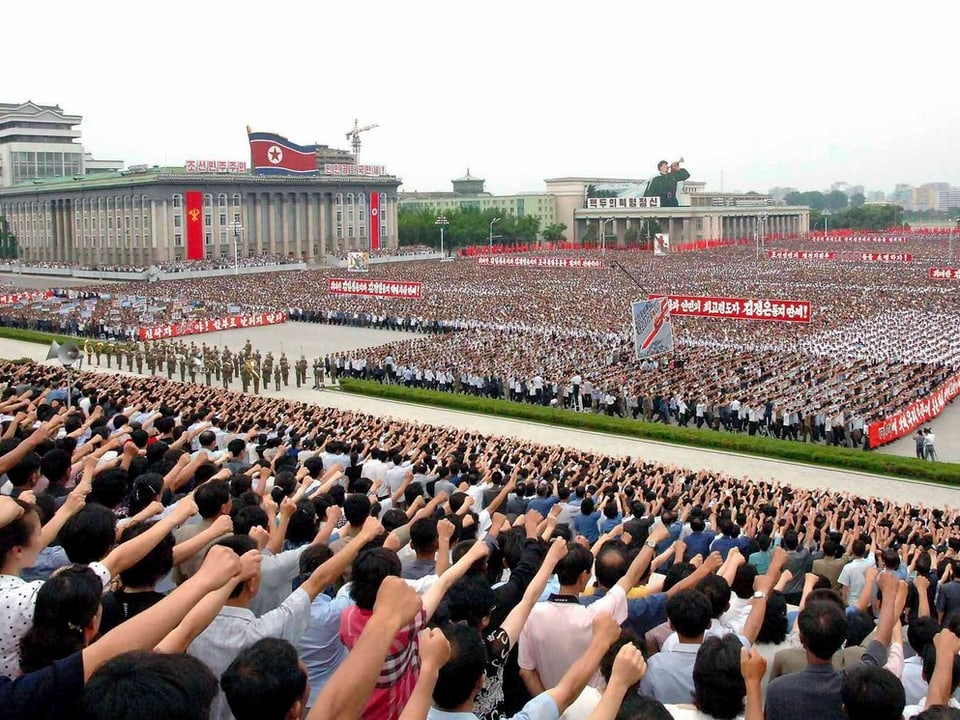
x,y
138,218
468,192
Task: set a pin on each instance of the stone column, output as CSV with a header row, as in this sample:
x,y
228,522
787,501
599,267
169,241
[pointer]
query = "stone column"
x,y
260,232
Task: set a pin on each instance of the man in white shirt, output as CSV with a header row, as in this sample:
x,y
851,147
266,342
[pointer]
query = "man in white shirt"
x,y
853,575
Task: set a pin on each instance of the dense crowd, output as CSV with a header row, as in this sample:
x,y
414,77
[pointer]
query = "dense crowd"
x,y
881,336
179,551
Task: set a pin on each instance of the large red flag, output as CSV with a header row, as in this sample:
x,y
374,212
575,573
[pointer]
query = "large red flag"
x,y
374,221
194,200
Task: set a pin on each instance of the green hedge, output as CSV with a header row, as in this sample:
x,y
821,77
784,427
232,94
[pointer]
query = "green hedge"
x,y
35,336
845,458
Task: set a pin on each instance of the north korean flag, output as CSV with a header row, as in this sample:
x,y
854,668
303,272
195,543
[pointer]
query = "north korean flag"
x,y
272,154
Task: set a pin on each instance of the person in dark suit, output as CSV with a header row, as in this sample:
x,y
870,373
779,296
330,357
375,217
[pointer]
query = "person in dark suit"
x,y
664,185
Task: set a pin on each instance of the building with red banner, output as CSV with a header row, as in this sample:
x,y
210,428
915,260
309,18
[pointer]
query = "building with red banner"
x,y
208,209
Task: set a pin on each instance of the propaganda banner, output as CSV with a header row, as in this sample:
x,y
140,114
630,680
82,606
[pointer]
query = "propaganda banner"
x,y
876,257
208,325
882,239
358,262
375,288
738,308
944,273
652,329
28,297
914,415
661,244
374,221
800,255
194,203
539,262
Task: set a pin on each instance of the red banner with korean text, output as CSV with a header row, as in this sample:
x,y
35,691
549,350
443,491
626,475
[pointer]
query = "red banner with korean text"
x,y
944,273
374,221
881,239
208,325
540,262
29,297
739,308
375,288
914,415
800,255
875,257
194,209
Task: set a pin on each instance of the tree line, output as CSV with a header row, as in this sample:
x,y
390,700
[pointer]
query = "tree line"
x,y
471,226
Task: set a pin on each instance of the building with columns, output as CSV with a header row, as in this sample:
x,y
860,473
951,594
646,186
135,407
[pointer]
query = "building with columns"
x,y
702,215
136,217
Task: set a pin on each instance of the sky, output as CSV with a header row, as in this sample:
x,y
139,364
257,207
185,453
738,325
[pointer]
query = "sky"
x,y
750,94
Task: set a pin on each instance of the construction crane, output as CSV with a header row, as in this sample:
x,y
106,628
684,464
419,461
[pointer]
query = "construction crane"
x,y
354,135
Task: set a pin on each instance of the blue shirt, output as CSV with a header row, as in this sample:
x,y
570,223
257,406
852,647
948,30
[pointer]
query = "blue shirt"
x,y
543,505
47,694
698,543
320,647
50,559
608,524
586,525
724,544
643,614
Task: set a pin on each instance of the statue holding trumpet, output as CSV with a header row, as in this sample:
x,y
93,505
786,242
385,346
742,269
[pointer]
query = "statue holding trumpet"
x,y
664,185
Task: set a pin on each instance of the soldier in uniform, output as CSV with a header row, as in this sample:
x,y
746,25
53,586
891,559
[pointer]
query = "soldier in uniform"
x,y
97,349
318,374
245,376
226,371
192,367
255,375
151,362
208,367
267,366
88,349
109,350
130,353
276,377
183,368
118,350
215,356
247,349
171,364
301,368
284,369
138,356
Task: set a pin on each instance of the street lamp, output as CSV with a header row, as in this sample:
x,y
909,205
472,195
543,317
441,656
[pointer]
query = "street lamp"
x,y
492,222
441,222
603,233
237,228
826,229
760,230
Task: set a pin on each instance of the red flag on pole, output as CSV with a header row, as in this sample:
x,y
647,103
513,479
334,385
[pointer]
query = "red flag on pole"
x,y
194,202
374,221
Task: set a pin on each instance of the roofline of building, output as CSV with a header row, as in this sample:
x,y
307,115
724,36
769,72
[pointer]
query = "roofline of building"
x,y
126,178
596,180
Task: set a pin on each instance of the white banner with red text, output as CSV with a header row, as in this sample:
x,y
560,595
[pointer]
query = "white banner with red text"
x,y
375,288
800,255
739,308
28,297
914,415
540,262
208,325
944,273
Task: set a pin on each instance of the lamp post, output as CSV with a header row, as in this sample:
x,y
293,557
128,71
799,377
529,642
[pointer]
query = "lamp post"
x,y
826,226
492,222
603,233
760,229
237,228
441,222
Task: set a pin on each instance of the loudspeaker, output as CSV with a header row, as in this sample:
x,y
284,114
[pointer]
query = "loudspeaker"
x,y
68,353
54,349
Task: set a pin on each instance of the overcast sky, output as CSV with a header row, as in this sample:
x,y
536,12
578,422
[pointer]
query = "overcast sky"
x,y
764,93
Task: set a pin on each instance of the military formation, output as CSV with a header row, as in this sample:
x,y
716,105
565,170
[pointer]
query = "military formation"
x,y
209,364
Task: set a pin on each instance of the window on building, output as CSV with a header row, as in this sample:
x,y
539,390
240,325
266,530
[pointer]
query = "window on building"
x,y
236,200
136,222
178,239
223,237
207,220
208,238
222,200
223,217
177,200
177,221
208,200
236,218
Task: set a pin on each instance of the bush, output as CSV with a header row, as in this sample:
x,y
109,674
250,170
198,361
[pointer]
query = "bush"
x,y
34,336
808,453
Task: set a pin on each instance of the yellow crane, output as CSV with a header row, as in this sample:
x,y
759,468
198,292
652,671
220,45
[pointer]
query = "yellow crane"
x,y
354,136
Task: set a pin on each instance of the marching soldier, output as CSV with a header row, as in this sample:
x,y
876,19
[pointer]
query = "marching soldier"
x,y
183,368
276,377
88,349
208,367
118,350
109,351
171,364
301,368
226,372
139,358
151,363
317,374
285,369
97,349
192,367
247,350
215,355
255,375
130,356
267,366
245,376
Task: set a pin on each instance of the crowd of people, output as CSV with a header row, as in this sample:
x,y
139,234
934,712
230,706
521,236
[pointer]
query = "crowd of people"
x,y
882,334
181,551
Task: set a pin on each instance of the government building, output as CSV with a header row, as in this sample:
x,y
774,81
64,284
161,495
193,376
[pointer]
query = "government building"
x,y
138,216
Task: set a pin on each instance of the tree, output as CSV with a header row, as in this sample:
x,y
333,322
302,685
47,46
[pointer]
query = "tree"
x,y
837,200
9,247
857,200
554,232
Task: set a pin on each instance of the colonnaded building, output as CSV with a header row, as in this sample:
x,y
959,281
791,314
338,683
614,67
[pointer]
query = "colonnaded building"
x,y
65,213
